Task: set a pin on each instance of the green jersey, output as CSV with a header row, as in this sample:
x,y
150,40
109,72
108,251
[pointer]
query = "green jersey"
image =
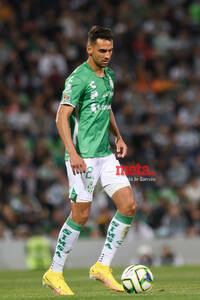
x,y
89,122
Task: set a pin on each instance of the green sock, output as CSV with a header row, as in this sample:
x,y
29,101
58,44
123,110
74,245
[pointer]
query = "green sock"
x,y
68,235
117,230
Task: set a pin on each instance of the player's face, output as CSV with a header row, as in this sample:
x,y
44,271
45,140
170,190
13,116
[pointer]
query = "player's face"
x,y
101,52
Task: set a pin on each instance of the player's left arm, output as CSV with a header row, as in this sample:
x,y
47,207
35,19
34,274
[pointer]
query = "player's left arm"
x,y
121,146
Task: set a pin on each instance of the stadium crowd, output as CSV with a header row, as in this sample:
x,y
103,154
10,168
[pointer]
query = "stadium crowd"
x,y
156,103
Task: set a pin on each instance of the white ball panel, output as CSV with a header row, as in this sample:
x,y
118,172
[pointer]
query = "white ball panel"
x,y
127,272
141,273
146,286
127,284
136,283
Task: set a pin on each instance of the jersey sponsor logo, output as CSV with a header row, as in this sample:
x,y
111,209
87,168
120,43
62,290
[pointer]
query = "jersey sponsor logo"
x,y
94,94
105,107
92,84
95,107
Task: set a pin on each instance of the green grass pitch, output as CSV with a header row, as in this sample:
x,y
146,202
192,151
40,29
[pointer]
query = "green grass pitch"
x,y
170,283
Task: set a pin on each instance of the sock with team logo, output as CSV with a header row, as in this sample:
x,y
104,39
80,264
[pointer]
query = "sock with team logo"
x,y
68,235
117,230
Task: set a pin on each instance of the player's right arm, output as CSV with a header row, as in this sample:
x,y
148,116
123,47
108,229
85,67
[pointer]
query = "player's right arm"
x,y
74,88
77,163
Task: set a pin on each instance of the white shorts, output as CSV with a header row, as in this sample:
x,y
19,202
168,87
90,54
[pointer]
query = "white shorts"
x,y
81,186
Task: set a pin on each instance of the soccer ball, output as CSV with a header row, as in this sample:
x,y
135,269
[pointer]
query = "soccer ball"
x,y
137,279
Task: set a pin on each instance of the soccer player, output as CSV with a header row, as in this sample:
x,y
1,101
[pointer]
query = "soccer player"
x,y
84,119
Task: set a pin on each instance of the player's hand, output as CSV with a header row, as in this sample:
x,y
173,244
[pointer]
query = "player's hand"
x,y
77,164
121,148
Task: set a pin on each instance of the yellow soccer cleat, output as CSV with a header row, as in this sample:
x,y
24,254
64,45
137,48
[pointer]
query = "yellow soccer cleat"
x,y
56,282
104,274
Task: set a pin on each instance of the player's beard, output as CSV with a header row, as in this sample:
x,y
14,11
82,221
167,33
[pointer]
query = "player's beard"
x,y
100,65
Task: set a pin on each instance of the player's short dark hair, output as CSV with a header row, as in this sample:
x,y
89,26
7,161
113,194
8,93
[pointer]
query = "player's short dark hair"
x,y
99,32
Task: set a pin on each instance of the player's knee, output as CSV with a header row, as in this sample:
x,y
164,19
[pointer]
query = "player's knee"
x,y
130,209
81,218
133,208
84,217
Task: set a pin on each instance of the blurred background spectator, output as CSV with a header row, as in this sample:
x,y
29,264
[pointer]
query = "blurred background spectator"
x,y
165,257
169,257
156,103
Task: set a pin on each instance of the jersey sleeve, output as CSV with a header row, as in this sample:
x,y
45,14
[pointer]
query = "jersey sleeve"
x,y
74,88
112,75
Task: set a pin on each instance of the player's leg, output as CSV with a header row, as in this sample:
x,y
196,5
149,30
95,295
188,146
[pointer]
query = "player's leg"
x,y
121,222
68,235
117,230
118,188
81,193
